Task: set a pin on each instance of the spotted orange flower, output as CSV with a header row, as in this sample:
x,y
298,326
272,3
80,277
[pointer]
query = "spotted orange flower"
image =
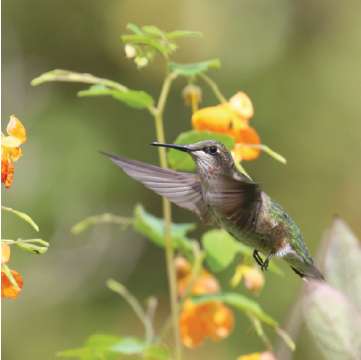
x,y
231,119
265,355
211,319
10,149
7,288
253,278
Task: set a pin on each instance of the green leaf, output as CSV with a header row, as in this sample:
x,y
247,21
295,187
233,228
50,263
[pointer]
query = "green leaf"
x,y
153,30
156,353
179,160
342,261
97,347
9,275
238,301
153,228
146,40
128,346
24,216
220,249
38,250
136,99
334,321
102,340
183,33
194,69
247,251
134,28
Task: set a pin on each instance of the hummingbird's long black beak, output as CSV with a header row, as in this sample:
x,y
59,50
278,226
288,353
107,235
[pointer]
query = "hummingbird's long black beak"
x,y
184,148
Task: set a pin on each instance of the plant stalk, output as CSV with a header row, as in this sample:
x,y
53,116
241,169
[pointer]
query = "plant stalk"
x,y
167,215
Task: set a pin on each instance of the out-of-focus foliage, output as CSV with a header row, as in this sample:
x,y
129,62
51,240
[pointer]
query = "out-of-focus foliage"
x,y
299,63
333,311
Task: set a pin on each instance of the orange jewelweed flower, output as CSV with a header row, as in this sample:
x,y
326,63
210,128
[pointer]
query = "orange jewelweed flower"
x,y
7,288
211,319
10,149
265,355
253,278
231,119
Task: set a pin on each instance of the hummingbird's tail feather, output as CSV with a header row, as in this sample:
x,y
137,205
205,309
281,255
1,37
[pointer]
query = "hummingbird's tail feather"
x,y
315,273
183,189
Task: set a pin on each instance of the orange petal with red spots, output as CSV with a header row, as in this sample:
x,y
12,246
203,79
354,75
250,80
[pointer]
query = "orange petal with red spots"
x,y
7,288
5,253
219,119
242,104
7,168
16,129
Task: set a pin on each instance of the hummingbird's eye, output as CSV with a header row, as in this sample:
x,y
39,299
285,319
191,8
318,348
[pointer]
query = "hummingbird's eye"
x,y
213,149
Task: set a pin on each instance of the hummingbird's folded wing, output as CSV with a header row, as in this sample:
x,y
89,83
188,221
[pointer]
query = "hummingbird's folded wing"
x,y
183,189
240,201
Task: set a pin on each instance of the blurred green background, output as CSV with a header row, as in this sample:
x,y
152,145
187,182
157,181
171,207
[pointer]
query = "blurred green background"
x,y
299,62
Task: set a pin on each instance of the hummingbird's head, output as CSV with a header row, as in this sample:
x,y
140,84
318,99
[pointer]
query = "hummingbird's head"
x,y
210,156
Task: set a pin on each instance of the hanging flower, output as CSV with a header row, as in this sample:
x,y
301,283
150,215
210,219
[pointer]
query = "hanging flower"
x,y
265,355
211,319
10,149
231,119
7,288
253,278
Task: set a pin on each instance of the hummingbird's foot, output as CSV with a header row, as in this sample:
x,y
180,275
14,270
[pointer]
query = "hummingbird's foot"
x,y
265,264
260,262
257,257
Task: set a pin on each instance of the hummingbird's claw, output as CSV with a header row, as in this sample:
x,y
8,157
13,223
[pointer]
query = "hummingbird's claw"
x,y
260,262
257,257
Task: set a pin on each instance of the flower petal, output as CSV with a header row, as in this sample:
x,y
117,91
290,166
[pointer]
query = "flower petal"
x,y
222,323
242,104
247,136
220,119
7,288
16,129
5,253
7,168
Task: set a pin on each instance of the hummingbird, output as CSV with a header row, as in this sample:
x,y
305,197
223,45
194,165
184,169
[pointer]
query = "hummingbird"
x,y
220,194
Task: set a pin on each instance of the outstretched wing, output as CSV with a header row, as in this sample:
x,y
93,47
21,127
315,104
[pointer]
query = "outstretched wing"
x,y
240,201
183,189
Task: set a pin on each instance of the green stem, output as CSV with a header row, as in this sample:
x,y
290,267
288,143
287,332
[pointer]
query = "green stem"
x,y
167,215
241,169
214,87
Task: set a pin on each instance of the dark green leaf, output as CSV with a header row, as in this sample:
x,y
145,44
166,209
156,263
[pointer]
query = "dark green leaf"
x,y
343,260
238,301
183,33
136,99
220,249
179,160
334,321
134,28
153,228
153,30
146,40
194,69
